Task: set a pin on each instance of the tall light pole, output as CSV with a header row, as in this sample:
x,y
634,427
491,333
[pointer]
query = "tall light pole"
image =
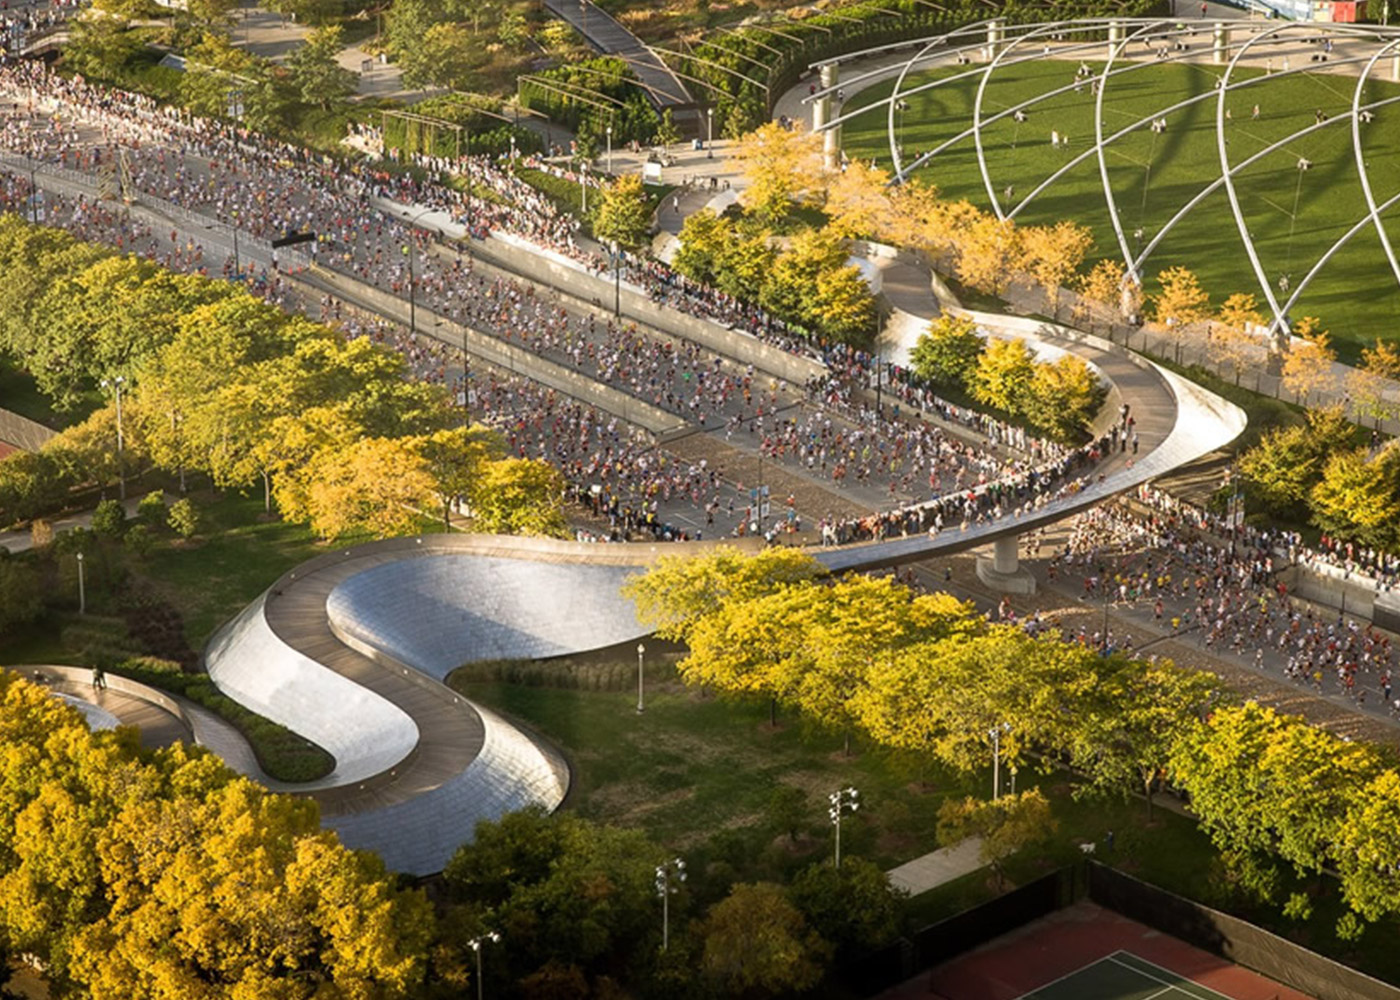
x,y
641,653
710,133
412,301
609,149
82,588
583,185
475,945
671,871
237,269
33,194
116,384
843,802
995,734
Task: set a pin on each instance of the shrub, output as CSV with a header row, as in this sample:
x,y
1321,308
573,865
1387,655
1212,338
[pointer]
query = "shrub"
x,y
109,519
151,509
184,518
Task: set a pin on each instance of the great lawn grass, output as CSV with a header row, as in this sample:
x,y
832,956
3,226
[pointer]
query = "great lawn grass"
x,y
696,774
1355,295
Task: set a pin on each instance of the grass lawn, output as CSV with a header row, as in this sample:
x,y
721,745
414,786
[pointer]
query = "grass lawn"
x,y
19,394
1293,215
696,774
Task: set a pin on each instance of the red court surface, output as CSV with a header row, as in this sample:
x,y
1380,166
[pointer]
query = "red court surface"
x,y
1066,942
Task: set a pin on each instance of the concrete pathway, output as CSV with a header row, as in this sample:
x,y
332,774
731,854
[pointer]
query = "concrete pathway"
x,y
938,867
23,541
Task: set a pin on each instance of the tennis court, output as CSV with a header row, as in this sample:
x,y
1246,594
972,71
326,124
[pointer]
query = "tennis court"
x,y
1123,976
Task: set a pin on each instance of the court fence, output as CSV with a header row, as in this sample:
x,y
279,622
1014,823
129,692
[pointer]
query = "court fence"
x,y
1231,938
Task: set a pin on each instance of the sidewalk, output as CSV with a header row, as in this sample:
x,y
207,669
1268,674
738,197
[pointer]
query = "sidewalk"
x,y
22,541
938,867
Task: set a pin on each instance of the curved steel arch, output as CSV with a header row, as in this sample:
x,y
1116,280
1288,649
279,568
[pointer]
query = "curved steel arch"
x,y
1361,166
1146,28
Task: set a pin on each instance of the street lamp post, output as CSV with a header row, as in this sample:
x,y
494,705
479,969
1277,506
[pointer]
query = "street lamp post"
x,y
237,268
475,945
641,652
609,149
116,386
412,301
995,733
673,870
710,133
583,185
843,802
512,153
82,587
33,194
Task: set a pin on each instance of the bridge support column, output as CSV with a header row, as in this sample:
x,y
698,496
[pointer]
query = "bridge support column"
x,y
1220,47
1395,67
996,35
1116,34
831,138
1003,572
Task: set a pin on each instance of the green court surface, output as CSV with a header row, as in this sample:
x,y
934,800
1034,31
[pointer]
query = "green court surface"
x,y
1123,976
1293,216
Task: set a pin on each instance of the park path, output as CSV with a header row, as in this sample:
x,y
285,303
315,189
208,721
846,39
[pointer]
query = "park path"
x,y
22,541
938,867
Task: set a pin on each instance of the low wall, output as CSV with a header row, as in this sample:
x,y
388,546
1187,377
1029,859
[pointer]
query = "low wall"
x,y
1232,938
497,352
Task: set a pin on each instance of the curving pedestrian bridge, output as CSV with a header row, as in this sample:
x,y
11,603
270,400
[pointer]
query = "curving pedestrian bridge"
x,y
351,649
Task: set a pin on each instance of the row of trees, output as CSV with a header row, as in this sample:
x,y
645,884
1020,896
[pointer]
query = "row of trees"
x,y
576,906
928,674
221,81
1232,336
809,283
128,873
220,383
464,45
1314,471
1058,398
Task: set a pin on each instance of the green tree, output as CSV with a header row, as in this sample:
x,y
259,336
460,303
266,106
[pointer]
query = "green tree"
x,y
101,46
758,944
151,509
376,485
320,79
791,288
21,597
184,518
1359,496
1006,826
624,214
1063,398
704,238
109,519
779,164
1365,851
1003,376
443,55
561,889
947,353
843,308
518,496
455,457
745,266
1134,716
667,134
853,907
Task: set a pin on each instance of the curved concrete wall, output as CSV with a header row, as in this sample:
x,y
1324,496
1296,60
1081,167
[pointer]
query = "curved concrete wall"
x,y
365,733
440,611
